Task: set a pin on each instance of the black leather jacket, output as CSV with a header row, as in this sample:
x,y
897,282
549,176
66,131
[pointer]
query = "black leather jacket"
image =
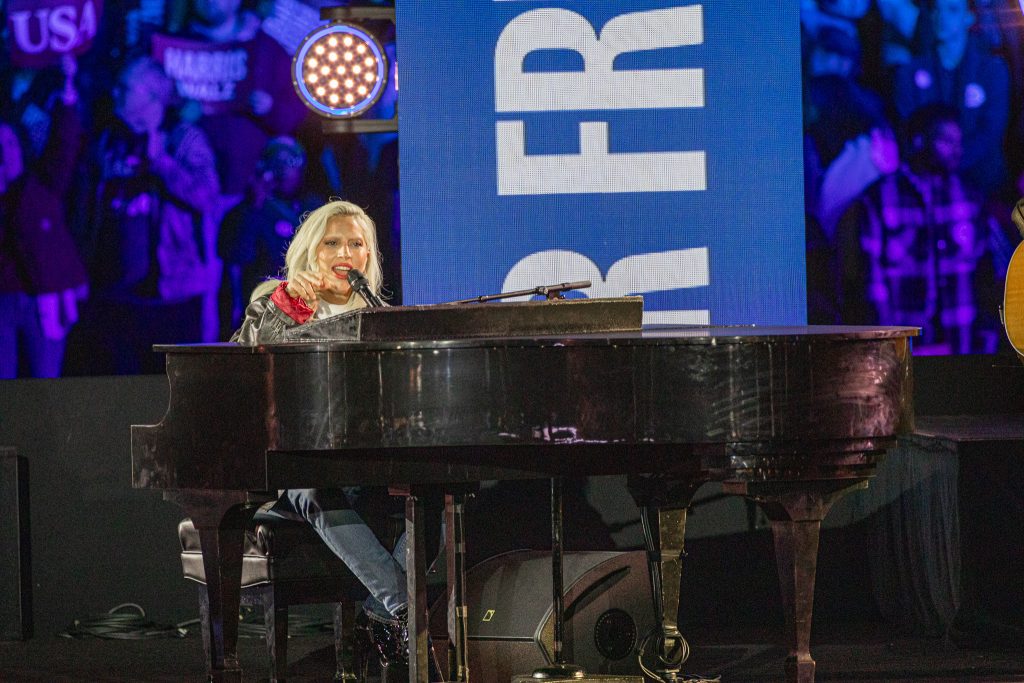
x,y
264,323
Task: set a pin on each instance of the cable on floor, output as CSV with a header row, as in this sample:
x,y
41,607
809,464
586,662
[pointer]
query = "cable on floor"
x,y
680,653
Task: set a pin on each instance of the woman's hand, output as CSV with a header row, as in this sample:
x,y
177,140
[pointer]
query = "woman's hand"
x,y
306,284
156,145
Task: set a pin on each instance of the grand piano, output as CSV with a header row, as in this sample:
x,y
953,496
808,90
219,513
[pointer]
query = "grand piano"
x,y
432,398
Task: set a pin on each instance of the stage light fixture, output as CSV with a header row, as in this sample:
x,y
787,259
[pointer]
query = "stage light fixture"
x,y
340,70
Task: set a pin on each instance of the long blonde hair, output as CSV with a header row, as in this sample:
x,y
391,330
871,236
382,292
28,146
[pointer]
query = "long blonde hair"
x,y
301,254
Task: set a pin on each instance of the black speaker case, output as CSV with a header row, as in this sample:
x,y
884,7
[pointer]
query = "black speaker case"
x,y
510,628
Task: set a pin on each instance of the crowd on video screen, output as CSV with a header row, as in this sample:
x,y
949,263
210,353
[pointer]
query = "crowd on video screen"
x,y
913,133
155,161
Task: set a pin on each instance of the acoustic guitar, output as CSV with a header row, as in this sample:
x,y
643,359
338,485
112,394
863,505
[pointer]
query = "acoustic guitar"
x,y
1013,295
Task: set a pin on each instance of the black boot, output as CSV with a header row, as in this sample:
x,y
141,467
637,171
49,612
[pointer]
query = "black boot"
x,y
390,638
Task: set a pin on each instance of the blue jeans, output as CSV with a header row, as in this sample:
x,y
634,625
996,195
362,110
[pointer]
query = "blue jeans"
x,y
330,513
22,333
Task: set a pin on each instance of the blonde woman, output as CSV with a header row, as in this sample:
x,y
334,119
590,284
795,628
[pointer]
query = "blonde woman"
x,y
332,240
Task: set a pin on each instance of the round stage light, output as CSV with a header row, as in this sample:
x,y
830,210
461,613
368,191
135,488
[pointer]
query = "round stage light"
x,y
341,48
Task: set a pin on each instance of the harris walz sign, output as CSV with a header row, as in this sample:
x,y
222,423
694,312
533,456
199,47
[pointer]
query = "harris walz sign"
x,y
216,75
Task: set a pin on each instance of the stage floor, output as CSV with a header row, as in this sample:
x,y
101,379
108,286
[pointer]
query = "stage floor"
x,y
848,652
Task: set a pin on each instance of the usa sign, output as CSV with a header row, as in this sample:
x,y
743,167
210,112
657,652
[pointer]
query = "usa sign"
x,y
41,31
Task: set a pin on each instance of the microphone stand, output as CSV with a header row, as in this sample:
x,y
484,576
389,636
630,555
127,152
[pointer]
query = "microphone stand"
x,y
550,292
559,669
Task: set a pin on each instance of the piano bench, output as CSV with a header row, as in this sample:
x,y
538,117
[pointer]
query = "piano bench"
x,y
285,563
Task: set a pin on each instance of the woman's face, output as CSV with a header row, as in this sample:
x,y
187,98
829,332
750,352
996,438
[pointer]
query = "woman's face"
x,y
342,248
141,105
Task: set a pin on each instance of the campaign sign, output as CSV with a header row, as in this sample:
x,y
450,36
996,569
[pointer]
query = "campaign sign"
x,y
652,147
213,74
42,31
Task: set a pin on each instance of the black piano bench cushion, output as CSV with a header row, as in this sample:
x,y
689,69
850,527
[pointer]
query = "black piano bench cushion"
x,y
274,550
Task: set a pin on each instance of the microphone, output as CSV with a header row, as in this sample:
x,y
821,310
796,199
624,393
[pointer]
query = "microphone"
x,y
361,285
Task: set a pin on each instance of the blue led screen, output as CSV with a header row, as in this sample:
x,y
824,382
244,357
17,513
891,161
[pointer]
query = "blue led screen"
x,y
651,147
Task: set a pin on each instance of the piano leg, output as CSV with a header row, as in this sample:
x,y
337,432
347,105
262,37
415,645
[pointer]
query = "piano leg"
x,y
665,563
795,512
455,555
665,549
415,571
220,517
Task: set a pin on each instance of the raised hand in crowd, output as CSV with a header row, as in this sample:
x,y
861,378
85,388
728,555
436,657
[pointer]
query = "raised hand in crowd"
x,y
885,152
901,15
156,150
11,164
69,67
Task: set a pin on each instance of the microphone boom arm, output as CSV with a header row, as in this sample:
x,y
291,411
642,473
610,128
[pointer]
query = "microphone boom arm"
x,y
548,291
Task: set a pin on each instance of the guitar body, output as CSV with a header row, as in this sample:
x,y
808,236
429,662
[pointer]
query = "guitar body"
x,y
1013,300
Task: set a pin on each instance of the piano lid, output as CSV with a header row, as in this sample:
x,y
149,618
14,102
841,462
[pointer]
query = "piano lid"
x,y
458,321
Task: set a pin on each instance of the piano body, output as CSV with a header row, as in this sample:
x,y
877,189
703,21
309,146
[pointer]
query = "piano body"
x,y
791,417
